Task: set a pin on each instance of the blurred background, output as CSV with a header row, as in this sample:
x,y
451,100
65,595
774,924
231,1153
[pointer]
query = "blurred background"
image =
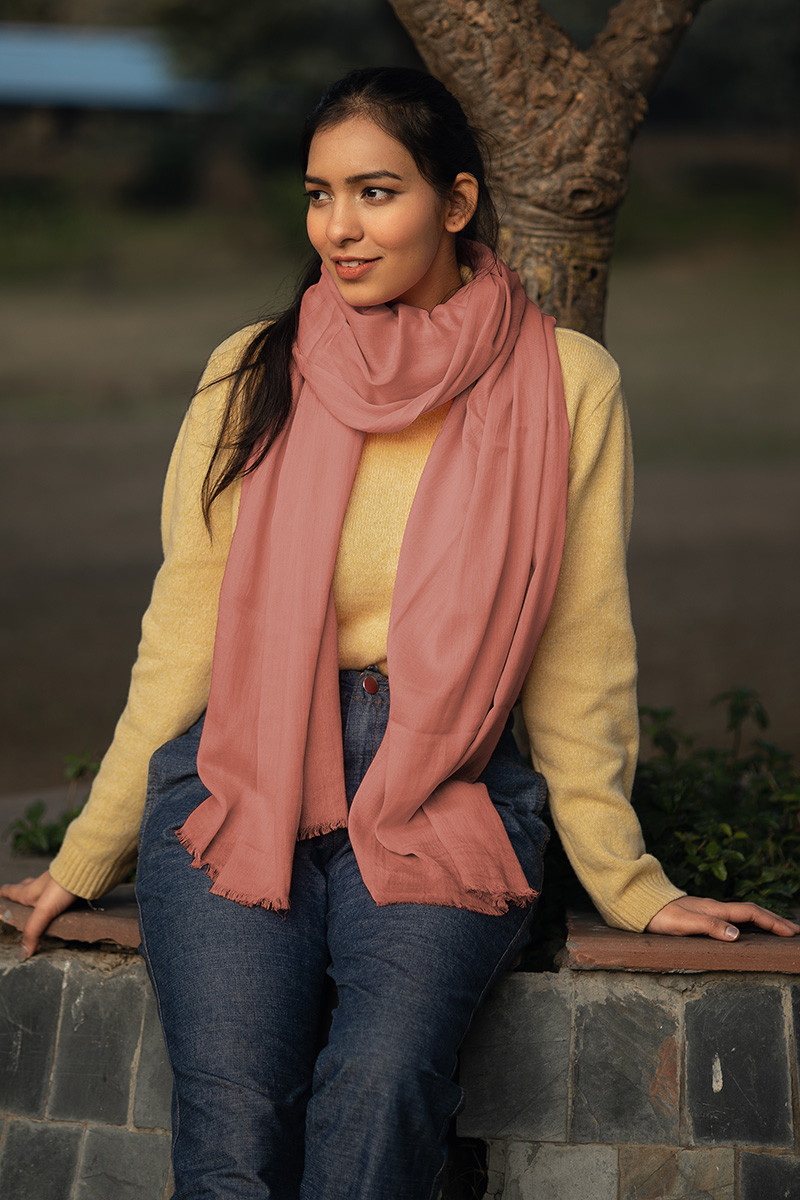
x,y
150,206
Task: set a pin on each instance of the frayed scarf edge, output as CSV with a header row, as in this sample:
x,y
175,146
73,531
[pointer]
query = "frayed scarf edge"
x,y
279,906
499,901
320,828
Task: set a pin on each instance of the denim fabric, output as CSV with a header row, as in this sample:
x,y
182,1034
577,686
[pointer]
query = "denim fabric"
x,y
265,1105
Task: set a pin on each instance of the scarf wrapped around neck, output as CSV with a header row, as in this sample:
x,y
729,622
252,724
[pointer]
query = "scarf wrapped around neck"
x,y
475,581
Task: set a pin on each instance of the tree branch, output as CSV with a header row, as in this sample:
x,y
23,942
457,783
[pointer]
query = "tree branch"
x,y
521,77
639,40
562,121
506,54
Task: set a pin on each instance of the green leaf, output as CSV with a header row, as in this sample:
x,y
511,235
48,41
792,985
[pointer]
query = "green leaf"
x,y
724,822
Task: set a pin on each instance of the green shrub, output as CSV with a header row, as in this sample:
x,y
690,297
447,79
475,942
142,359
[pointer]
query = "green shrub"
x,y
31,834
725,822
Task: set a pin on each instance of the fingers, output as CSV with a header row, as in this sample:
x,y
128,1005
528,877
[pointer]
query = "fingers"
x,y
715,919
49,900
681,919
27,891
715,927
35,926
754,914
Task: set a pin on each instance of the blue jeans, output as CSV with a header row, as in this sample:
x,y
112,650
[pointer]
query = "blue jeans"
x,y
270,1102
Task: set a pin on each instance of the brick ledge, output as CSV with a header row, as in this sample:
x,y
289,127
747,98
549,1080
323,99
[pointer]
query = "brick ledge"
x,y
113,918
593,946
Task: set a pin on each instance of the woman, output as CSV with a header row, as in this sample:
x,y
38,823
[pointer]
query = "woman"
x,y
388,475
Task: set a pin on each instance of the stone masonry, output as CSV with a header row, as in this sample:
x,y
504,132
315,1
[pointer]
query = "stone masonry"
x,y
84,1080
637,1086
609,1084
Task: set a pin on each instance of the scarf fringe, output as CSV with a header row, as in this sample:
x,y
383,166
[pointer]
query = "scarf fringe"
x,y
495,904
213,872
310,831
498,901
501,900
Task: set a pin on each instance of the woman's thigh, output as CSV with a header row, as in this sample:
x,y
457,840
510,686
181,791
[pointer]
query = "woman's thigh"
x,y
409,978
387,961
241,994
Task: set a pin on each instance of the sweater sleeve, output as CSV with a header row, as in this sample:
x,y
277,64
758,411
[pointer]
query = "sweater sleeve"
x,y
579,699
172,673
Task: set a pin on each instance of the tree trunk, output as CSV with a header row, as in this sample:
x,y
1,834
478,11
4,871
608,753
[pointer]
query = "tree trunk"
x,y
562,122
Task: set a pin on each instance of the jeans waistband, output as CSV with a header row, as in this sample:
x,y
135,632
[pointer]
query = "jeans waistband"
x,y
369,680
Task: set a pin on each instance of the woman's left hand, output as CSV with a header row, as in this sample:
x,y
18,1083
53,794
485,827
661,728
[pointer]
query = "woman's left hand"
x,y
694,914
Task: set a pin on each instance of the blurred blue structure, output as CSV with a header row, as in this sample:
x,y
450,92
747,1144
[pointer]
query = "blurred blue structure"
x,y
71,67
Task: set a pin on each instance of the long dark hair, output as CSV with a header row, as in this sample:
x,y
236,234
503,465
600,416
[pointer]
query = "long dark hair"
x,y
420,113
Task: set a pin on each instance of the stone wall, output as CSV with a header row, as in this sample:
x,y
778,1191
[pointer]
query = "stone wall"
x,y
84,1082
638,1086
612,1085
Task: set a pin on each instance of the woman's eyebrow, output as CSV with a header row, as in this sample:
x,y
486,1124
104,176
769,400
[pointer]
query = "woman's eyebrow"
x,y
362,178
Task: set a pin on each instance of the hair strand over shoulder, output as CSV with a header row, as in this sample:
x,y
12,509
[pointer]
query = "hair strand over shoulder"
x,y
420,113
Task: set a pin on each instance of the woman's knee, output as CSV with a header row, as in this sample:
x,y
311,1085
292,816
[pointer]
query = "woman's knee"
x,y
388,1067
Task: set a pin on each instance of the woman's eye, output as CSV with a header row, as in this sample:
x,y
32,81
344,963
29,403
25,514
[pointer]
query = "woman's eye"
x,y
376,193
316,196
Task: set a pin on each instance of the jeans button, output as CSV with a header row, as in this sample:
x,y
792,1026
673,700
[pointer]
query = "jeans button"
x,y
370,684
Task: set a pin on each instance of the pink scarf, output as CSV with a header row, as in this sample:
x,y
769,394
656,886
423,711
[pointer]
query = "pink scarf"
x,y
475,581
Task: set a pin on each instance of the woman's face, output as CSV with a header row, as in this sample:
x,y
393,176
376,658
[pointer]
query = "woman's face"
x,y
379,227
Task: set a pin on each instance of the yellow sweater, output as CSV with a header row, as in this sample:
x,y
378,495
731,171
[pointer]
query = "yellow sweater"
x,y
579,699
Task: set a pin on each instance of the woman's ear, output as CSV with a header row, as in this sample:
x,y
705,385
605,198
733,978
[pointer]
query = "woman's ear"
x,y
462,202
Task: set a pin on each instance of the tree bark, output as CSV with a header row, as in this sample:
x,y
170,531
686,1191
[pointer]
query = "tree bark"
x,y
562,121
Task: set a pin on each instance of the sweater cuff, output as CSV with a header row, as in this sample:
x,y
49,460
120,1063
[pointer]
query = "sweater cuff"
x,y
637,906
87,879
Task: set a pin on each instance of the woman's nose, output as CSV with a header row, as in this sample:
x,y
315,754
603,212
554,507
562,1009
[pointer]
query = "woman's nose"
x,y
343,223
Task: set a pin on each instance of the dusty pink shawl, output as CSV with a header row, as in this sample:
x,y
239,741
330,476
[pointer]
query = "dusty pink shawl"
x,y
476,576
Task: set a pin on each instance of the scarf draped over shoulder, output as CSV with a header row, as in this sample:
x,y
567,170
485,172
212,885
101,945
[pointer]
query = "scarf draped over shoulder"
x,y
475,581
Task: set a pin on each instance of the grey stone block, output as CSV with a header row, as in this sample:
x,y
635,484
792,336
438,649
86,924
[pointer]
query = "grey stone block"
x,y
667,1173
30,998
626,1074
560,1172
770,1177
118,1165
737,1071
38,1160
495,1170
515,1062
100,1027
153,1096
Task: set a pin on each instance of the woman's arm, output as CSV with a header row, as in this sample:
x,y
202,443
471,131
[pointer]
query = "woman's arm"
x,y
579,700
171,675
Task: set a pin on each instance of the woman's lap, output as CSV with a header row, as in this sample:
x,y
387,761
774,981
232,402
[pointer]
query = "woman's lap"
x,y
243,995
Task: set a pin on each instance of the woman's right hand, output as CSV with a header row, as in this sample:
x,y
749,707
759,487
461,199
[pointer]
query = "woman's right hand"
x,y
48,900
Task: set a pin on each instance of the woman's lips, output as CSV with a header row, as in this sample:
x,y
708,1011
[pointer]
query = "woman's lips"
x,y
353,268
